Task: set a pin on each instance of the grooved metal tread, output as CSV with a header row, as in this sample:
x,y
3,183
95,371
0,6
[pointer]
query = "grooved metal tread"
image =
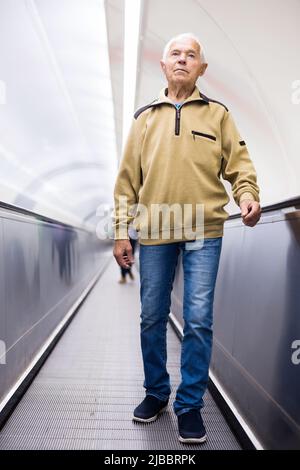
x,y
84,395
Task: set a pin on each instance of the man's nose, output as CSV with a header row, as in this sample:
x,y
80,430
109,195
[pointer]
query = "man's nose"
x,y
182,60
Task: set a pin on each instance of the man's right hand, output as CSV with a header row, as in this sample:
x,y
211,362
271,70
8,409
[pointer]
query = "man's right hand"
x,y
123,253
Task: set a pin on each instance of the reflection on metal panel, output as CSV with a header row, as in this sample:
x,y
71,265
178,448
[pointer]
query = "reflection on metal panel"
x,y
47,267
2,307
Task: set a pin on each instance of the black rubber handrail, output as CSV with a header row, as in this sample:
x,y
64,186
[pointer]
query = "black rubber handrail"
x,y
39,217
294,202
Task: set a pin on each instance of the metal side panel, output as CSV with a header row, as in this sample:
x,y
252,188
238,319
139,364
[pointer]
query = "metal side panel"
x,y
84,395
45,267
257,321
3,341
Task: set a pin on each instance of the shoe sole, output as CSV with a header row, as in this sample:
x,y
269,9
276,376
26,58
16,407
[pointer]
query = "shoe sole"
x,y
193,440
149,420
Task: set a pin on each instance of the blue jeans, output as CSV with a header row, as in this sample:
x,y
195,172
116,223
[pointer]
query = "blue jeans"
x,y
157,271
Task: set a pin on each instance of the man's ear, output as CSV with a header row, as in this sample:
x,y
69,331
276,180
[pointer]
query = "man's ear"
x,y
163,66
203,68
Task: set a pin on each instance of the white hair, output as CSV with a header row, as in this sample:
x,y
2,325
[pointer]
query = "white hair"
x,y
184,36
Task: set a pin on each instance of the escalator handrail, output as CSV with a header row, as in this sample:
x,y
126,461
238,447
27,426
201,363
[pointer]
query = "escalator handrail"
x,y
293,202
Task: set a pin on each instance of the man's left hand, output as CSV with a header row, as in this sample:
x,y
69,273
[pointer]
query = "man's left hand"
x,y
250,212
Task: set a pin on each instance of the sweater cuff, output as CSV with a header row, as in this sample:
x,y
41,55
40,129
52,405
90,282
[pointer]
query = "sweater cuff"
x,y
121,232
246,195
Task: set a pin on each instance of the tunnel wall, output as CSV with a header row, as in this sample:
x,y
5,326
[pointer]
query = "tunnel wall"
x,y
44,269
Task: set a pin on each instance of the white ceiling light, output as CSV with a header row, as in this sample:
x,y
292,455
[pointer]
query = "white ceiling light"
x,y
132,26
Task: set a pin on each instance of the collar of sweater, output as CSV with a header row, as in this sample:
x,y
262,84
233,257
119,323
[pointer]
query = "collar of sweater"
x,y
195,96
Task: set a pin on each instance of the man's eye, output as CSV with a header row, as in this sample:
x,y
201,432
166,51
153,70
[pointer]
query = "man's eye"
x,y
191,55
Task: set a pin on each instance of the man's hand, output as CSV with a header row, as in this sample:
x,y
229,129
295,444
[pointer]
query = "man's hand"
x,y
123,253
250,211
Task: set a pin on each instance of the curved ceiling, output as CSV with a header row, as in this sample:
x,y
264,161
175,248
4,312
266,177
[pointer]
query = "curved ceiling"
x,y
58,134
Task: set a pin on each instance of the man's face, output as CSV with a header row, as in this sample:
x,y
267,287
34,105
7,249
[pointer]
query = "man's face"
x,y
183,64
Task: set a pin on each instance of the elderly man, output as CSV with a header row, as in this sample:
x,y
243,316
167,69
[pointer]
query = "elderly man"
x,y
178,147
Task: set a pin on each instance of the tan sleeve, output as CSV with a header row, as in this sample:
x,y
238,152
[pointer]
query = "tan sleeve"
x,y
128,181
248,196
237,166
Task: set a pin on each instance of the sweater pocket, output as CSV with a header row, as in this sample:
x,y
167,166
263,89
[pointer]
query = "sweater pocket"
x,y
205,151
202,134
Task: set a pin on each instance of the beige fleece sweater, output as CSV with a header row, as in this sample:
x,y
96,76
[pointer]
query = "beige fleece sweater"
x,y
169,183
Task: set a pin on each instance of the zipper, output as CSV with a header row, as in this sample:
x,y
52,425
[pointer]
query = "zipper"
x,y
177,121
177,117
208,136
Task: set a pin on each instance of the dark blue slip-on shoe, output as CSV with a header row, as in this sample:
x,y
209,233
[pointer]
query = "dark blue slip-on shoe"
x,y
191,427
149,409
